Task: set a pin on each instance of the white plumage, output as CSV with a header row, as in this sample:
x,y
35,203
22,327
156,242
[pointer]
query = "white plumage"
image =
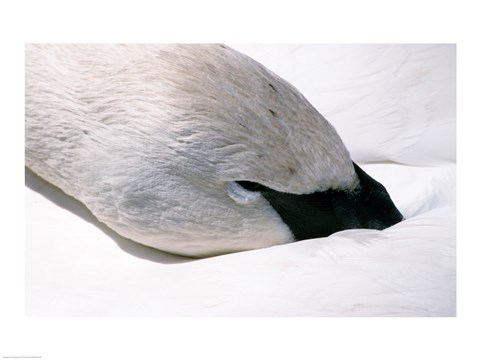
x,y
149,136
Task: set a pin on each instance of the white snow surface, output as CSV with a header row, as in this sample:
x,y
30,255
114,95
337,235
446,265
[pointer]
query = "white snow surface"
x,y
394,106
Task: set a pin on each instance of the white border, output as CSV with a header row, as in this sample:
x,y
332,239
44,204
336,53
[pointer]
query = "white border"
x,y
237,22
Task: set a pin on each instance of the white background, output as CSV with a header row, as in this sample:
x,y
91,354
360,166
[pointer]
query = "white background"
x,y
371,21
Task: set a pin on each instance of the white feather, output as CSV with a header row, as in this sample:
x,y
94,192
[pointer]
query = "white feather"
x,y
147,136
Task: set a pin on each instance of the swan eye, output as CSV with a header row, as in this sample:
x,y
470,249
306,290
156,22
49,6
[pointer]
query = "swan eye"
x,y
244,192
251,186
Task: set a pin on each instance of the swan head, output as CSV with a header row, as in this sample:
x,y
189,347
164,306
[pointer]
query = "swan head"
x,y
199,150
323,213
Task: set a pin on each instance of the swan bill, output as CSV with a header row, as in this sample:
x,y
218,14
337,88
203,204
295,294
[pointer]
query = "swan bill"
x,y
323,213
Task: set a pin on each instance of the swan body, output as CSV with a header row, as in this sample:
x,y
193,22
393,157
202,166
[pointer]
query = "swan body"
x,y
196,150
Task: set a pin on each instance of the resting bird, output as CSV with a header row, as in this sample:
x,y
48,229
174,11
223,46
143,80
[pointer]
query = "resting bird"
x,y
197,150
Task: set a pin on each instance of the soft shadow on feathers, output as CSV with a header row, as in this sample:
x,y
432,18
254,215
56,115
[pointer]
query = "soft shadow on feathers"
x,y
59,198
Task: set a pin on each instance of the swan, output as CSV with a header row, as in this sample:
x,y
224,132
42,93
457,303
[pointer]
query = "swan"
x,y
193,149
